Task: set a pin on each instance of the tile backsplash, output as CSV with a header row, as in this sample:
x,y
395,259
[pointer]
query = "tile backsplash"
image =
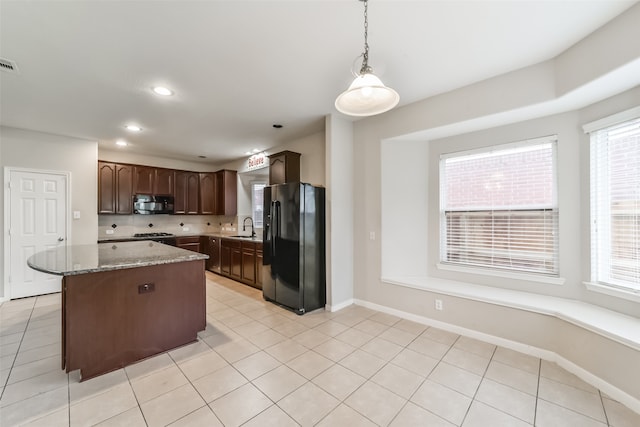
x,y
128,225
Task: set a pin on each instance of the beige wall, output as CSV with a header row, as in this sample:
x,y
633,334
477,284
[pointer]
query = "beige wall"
x,y
41,151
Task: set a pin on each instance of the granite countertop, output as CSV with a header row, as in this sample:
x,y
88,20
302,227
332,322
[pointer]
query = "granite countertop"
x,y
82,259
208,234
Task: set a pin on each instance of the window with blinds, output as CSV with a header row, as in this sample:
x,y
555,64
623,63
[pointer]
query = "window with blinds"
x,y
257,197
615,205
498,208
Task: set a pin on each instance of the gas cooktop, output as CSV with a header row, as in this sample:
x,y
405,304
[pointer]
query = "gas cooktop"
x,y
153,235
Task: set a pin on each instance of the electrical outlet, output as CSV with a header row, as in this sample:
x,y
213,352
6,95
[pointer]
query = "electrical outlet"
x,y
439,306
372,235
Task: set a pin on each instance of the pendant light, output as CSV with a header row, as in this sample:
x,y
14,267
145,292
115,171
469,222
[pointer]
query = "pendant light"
x,y
367,95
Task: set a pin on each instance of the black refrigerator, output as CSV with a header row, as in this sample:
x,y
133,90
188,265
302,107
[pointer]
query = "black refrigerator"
x,y
294,273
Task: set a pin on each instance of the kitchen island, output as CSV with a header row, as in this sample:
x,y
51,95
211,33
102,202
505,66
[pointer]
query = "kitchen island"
x,y
123,302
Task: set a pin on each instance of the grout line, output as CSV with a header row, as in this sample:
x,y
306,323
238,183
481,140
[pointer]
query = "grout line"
x,y
535,408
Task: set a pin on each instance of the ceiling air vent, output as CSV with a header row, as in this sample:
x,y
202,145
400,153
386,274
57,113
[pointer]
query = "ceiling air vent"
x,y
8,65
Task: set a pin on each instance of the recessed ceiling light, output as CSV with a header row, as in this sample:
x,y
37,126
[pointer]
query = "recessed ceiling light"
x,y
133,128
161,90
202,157
277,125
122,143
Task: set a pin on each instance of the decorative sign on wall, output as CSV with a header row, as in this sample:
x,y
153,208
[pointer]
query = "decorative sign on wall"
x,y
257,161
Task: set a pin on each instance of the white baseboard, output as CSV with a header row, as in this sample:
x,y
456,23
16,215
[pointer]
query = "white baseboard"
x,y
611,390
339,306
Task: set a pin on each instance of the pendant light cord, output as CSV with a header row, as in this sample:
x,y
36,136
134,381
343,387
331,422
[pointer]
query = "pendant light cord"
x,y
365,55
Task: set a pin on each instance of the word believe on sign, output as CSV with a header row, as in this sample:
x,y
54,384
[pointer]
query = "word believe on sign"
x,y
257,161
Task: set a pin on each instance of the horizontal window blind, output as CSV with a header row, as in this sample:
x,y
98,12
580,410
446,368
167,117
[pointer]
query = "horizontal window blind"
x,y
499,208
615,205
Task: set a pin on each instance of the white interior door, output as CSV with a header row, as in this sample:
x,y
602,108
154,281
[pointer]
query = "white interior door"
x,y
38,221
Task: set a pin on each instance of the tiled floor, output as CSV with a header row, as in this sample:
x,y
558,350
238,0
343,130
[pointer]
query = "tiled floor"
x,y
259,365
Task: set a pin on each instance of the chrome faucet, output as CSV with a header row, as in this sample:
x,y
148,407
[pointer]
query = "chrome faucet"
x,y
244,223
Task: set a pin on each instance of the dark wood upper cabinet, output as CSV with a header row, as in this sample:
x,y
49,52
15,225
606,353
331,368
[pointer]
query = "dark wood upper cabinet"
x,y
186,192
143,177
163,182
208,193
284,167
114,188
226,193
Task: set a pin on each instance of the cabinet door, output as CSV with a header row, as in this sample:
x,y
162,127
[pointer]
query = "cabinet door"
x,y
195,247
259,259
225,258
143,180
106,188
163,182
249,263
193,194
124,185
226,193
207,193
284,167
180,193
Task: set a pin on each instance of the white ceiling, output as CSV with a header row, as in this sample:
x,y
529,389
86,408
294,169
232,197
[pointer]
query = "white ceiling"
x,y
237,67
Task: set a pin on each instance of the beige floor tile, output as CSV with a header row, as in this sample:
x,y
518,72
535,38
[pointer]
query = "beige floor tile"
x,y
35,407
279,382
189,351
250,329
256,365
467,361
456,379
308,404
481,415
33,369
290,328
103,406
334,350
509,400
58,418
171,406
131,418
157,383
310,364
267,339
414,416
578,400
33,386
236,350
83,390
387,319
475,346
398,336
331,328
415,362
354,337
363,363
349,319
11,338
371,327
219,383
517,360
619,415
556,373
310,338
339,381
203,417
398,380
274,320
550,415
376,403
411,327
38,353
441,336
286,350
271,417
513,377
204,364
382,348
442,401
148,366
240,405
345,416
429,347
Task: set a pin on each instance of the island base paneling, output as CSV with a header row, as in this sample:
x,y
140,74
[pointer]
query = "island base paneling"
x,y
112,319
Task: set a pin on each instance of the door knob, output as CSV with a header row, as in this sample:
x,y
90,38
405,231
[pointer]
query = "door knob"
x,y
60,239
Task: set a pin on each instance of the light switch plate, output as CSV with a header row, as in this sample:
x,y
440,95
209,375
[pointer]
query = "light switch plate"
x,y
76,214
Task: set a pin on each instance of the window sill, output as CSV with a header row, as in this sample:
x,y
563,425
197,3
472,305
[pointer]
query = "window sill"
x,y
498,273
616,326
612,291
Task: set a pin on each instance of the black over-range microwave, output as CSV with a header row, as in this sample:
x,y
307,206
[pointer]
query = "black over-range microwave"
x,y
147,205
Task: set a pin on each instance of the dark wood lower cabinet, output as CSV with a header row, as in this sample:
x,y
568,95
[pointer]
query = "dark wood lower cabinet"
x,y
241,261
191,243
111,319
